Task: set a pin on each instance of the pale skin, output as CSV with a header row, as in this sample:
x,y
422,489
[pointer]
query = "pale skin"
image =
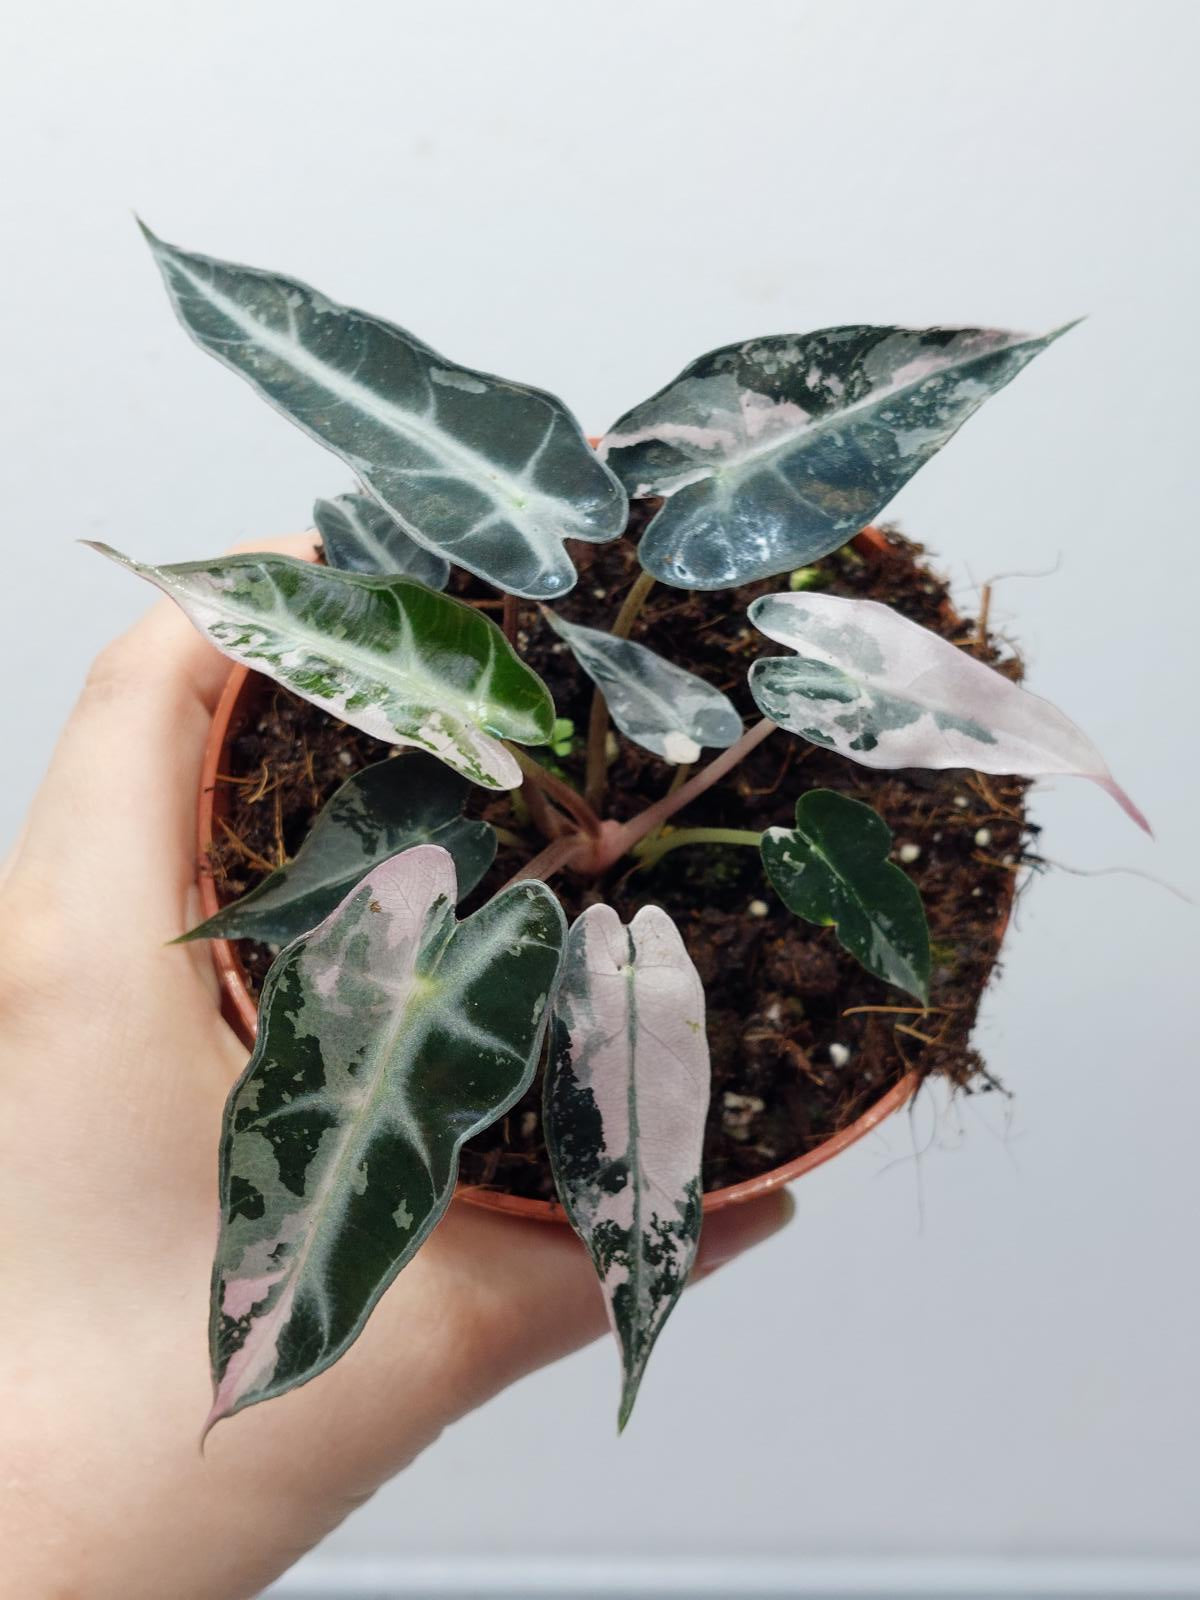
x,y
115,1064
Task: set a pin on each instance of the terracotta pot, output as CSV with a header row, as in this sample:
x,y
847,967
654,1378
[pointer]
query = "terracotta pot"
x,y
242,691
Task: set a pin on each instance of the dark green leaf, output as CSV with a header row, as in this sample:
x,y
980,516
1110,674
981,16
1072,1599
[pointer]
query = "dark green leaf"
x,y
490,474
380,811
832,868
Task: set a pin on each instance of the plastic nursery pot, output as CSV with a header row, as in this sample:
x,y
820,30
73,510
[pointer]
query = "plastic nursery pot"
x,y
243,691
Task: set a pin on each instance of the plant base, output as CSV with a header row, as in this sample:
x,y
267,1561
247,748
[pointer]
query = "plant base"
x,y
804,1043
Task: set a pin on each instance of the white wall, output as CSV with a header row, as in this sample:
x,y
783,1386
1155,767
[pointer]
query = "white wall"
x,y
979,1337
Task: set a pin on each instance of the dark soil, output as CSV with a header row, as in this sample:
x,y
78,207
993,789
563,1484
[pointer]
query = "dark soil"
x,y
802,1039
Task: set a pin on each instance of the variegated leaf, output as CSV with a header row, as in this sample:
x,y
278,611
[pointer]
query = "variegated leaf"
x,y
888,693
387,1037
775,451
490,474
667,710
387,655
832,868
360,536
627,1090
389,807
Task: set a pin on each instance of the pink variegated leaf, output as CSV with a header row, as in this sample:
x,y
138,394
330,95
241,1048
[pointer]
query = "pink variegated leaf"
x,y
886,692
387,1037
626,1096
772,452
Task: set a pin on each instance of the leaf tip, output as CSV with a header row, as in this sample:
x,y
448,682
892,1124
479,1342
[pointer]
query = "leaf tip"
x,y
1057,333
629,1393
159,248
110,554
217,1413
1111,787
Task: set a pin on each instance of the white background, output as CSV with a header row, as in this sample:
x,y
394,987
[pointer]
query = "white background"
x,y
979,1336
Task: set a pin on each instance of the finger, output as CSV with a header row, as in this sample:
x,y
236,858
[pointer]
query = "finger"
x,y
487,1300
532,1287
113,824
529,1290
729,1233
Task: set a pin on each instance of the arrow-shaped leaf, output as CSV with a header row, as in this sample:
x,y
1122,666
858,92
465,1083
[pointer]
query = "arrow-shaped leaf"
x,y
490,474
387,1037
832,868
668,711
626,1095
389,807
888,693
360,536
387,655
775,451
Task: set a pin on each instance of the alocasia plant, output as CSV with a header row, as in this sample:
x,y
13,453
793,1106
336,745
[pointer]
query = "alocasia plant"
x,y
390,1032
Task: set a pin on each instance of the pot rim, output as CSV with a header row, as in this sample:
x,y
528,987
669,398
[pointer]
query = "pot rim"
x,y
241,1012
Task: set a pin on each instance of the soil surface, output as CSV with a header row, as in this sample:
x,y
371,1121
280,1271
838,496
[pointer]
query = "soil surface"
x,y
802,1039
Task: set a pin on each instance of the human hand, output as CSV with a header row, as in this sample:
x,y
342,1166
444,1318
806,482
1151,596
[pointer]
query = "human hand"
x,y
115,1064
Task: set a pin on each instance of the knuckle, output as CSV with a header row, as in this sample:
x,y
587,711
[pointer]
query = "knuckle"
x,y
31,945
118,668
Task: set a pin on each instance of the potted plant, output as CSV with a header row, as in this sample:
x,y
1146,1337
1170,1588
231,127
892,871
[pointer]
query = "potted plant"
x,y
555,747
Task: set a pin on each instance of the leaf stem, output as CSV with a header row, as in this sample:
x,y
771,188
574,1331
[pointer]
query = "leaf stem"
x,y
631,605
596,772
507,837
561,793
550,860
631,833
651,849
678,778
510,618
597,741
547,819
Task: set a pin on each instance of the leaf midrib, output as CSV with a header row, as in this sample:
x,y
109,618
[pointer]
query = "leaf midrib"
x,y
345,651
388,1074
736,465
672,719
469,464
848,884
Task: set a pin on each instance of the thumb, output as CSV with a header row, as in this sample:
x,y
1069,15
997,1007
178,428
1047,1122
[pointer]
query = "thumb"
x,y
730,1232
